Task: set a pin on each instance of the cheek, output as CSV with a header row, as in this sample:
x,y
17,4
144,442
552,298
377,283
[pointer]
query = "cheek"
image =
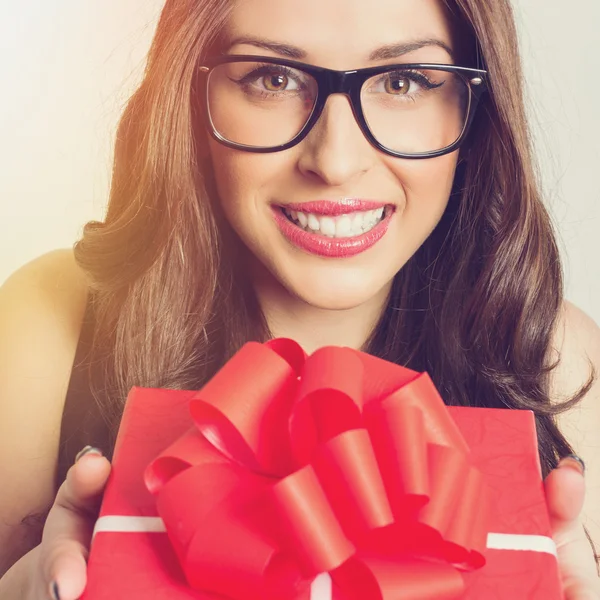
x,y
231,178
427,185
243,179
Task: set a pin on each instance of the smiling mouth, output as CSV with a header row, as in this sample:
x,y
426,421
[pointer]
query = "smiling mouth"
x,y
348,225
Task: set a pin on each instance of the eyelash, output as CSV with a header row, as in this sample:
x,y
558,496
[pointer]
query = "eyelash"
x,y
415,76
270,70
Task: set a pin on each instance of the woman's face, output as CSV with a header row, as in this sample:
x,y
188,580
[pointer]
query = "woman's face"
x,y
335,164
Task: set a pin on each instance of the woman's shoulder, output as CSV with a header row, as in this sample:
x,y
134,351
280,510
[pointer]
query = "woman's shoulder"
x,y
42,303
41,310
575,349
53,272
576,345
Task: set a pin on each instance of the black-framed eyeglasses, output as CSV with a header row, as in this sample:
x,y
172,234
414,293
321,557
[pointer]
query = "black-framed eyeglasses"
x,y
267,104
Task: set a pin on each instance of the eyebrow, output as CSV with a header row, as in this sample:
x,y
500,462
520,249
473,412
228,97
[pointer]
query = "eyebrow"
x,y
387,52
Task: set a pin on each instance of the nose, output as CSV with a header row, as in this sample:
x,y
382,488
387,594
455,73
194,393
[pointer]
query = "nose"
x,y
336,151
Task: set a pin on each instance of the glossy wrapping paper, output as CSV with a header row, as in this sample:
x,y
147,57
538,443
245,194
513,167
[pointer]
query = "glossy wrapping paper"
x,y
336,476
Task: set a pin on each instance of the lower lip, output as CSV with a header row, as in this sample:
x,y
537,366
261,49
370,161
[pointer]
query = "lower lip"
x,y
330,247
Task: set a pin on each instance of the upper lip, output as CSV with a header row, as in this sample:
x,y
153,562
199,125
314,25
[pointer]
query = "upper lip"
x,y
334,207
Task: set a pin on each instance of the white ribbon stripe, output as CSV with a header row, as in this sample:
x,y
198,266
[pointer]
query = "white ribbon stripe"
x,y
533,543
495,541
321,587
123,524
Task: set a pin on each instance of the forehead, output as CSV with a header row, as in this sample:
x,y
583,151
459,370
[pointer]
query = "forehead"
x,y
338,33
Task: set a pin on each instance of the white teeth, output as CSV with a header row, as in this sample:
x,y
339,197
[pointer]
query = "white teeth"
x,y
303,219
342,226
327,226
357,223
313,222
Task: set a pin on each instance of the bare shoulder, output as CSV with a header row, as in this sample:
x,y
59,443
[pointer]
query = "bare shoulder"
x,y
55,273
41,310
42,302
576,344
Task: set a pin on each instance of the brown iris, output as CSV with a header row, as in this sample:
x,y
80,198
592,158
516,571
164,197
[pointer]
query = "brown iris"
x,y
275,83
397,85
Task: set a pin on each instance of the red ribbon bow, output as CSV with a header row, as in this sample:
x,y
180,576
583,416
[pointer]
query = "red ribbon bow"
x,y
337,462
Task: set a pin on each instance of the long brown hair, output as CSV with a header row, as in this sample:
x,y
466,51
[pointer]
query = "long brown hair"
x,y
476,306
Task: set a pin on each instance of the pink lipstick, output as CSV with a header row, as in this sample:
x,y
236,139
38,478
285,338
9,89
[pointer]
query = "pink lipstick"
x,y
334,209
332,247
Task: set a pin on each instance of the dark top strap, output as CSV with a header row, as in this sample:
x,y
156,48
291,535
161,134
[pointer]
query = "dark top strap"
x,y
82,422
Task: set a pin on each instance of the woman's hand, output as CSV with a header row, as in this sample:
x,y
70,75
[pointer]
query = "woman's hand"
x,y
565,491
57,567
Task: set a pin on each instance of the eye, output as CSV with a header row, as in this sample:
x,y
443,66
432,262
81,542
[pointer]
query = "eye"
x,y
271,80
278,81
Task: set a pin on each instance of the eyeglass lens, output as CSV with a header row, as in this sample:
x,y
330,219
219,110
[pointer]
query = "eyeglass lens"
x,y
407,111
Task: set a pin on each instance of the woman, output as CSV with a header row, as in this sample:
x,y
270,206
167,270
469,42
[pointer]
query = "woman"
x,y
246,203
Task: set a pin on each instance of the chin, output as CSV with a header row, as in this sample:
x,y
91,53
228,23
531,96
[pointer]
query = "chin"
x,y
334,301
336,293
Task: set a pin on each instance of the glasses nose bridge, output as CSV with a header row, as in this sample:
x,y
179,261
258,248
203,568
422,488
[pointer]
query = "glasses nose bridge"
x,y
340,82
344,83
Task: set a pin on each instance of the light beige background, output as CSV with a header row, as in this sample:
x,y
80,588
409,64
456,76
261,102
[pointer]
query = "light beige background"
x,y
67,68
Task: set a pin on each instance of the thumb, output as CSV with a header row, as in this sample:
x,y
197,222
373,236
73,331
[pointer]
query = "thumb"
x,y
68,531
565,493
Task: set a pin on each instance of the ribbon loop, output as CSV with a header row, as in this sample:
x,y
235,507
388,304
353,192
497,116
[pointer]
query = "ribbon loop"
x,y
350,476
312,532
337,462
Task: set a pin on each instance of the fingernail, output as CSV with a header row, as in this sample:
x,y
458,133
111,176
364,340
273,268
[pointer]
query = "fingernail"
x,y
88,450
55,594
574,461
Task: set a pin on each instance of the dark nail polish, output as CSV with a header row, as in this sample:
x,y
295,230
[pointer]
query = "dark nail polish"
x,y
88,450
54,591
575,461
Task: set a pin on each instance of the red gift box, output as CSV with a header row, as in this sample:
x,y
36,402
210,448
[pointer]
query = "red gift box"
x,y
132,555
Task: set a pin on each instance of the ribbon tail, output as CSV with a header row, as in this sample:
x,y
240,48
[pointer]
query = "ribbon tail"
x,y
398,579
